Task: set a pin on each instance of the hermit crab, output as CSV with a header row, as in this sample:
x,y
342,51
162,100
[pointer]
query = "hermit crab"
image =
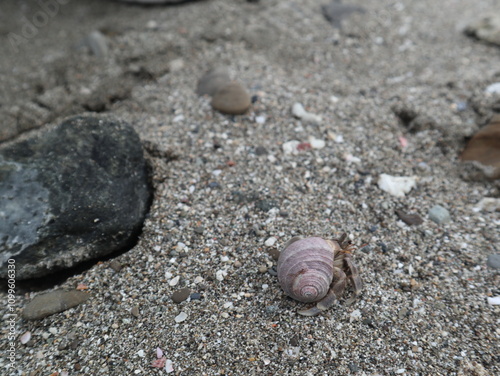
x,y
317,270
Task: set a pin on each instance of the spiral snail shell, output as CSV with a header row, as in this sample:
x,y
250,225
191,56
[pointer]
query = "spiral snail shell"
x,y
317,270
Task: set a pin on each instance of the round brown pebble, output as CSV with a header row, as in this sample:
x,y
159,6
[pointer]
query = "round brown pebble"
x,y
135,311
232,99
181,295
262,269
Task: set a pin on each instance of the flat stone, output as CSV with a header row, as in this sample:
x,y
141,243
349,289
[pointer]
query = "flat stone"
x,y
439,214
484,149
74,193
53,302
212,81
494,261
181,295
410,219
232,99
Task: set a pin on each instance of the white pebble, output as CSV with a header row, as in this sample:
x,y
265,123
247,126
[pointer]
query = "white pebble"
x,y
159,352
24,339
339,139
169,368
265,286
198,279
181,317
401,370
225,315
220,274
53,330
396,185
224,258
317,143
290,147
493,88
270,242
266,361
216,172
334,99
355,315
174,281
494,301
260,119
141,353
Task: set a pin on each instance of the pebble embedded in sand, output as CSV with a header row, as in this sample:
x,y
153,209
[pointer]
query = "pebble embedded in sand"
x,y
53,302
181,295
439,215
232,99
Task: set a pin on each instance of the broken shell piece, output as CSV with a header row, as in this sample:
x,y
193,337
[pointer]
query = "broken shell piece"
x,y
396,185
299,112
494,301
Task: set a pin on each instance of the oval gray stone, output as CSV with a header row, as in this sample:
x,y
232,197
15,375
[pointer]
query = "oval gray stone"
x,y
74,193
53,302
439,214
494,261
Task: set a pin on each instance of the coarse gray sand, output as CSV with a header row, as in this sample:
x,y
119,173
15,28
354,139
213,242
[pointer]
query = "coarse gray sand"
x,y
423,310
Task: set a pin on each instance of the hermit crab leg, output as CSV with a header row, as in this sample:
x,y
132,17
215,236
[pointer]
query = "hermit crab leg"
x,y
335,292
354,278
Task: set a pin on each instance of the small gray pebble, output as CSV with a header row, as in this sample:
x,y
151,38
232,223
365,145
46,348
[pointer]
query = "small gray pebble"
x,y
260,150
195,296
439,214
199,230
97,43
115,265
494,261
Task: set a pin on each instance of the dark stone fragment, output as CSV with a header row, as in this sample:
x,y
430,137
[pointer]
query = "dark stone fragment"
x,y
265,205
213,185
181,295
294,341
260,150
74,344
199,230
78,367
53,302
410,219
195,296
274,253
74,193
373,228
135,311
115,265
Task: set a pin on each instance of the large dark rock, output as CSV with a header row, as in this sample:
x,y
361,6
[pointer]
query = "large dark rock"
x,y
74,193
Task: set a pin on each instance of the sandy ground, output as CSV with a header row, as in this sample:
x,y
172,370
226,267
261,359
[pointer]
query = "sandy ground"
x,y
423,310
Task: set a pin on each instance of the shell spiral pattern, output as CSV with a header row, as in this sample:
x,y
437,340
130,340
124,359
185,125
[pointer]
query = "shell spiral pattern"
x,y
305,269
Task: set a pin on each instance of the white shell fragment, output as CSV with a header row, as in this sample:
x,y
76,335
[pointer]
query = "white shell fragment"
x,y
24,339
290,147
494,301
220,274
299,112
174,281
169,368
396,185
317,143
493,88
181,317
270,242
488,204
